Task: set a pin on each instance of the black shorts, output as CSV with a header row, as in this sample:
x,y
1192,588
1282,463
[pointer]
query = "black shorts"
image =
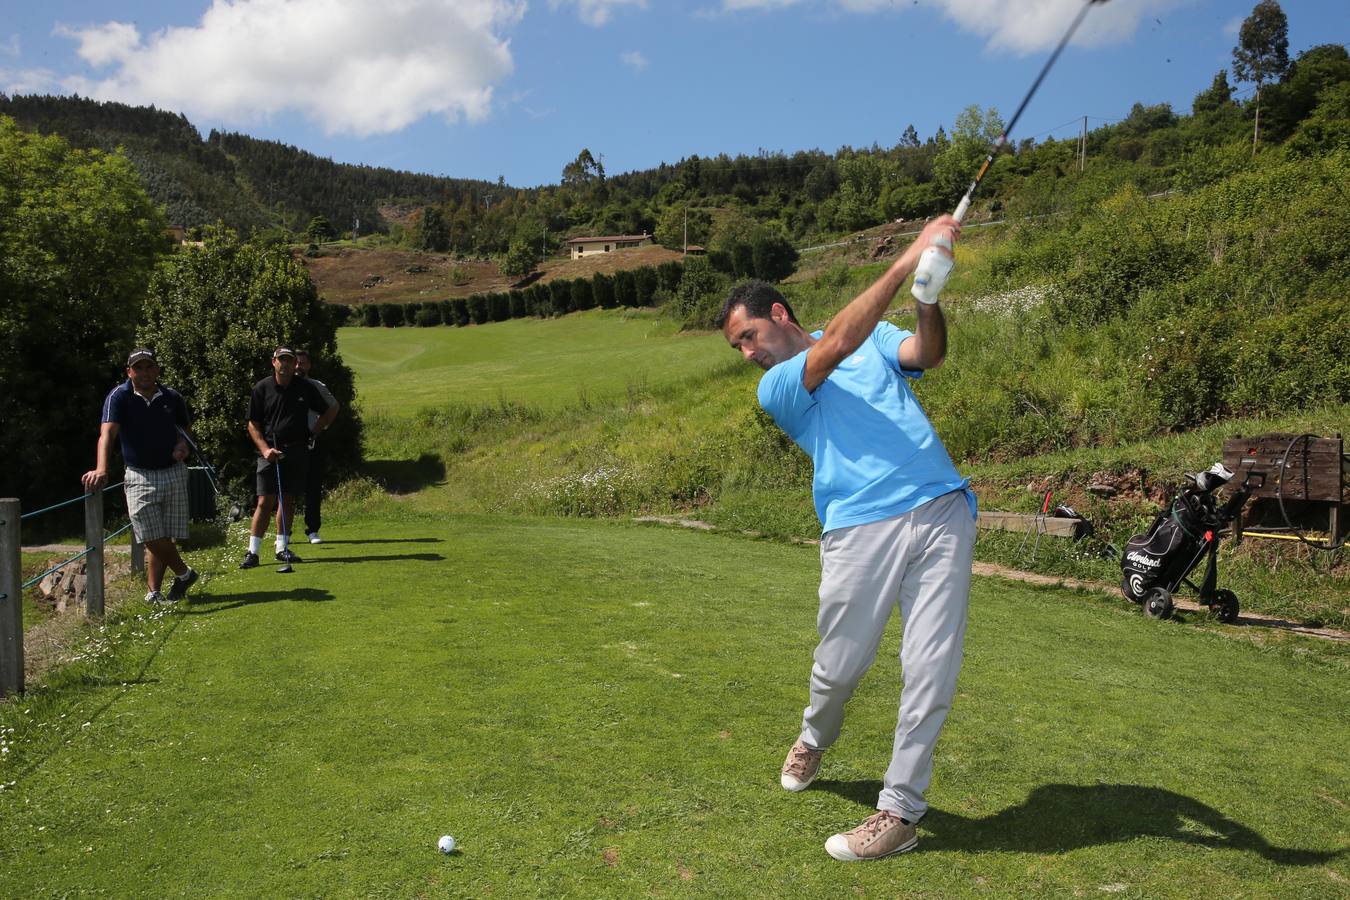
x,y
294,470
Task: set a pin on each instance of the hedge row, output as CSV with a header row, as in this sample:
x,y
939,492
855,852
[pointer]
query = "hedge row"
x,y
634,287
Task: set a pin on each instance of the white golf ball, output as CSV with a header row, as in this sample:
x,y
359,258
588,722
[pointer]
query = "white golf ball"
x,y
446,843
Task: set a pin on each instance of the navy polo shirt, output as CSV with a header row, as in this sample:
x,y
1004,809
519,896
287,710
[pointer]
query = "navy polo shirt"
x,y
148,428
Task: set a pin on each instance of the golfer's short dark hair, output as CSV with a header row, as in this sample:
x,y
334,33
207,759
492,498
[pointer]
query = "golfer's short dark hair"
x,y
758,298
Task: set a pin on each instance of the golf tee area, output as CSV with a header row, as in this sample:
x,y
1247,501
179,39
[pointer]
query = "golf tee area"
x,y
600,709
487,647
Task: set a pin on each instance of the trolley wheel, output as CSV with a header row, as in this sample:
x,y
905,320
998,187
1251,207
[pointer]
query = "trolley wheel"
x,y
1158,603
1224,606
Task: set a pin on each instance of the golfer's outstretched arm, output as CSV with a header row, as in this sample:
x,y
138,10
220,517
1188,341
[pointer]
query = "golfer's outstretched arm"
x,y
847,330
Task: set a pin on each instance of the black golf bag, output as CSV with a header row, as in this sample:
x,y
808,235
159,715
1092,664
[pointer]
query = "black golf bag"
x,y
1160,560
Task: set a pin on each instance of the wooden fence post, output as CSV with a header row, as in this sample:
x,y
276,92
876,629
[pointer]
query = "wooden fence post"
x,y
137,554
93,569
11,600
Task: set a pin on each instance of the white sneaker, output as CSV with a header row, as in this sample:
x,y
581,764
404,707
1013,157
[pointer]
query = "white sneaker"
x,y
314,537
155,597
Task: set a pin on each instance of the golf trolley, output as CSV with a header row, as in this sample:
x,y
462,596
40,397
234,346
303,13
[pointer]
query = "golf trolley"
x,y
1161,559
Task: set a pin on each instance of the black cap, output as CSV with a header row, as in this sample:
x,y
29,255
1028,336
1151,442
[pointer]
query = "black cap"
x,y
141,353
282,351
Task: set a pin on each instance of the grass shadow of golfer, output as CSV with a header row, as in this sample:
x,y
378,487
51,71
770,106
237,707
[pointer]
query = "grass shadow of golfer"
x,y
390,557
1059,817
421,540
205,606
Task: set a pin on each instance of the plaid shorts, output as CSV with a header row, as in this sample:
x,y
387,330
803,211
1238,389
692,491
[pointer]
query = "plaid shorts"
x,y
157,501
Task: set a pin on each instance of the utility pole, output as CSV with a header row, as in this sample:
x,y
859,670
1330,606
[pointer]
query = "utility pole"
x,y
686,231
543,251
1082,148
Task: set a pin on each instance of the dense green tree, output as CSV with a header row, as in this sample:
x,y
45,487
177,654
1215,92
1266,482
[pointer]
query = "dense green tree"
x,y
773,256
320,229
1262,52
521,258
953,168
214,314
433,231
583,296
625,288
1215,97
79,239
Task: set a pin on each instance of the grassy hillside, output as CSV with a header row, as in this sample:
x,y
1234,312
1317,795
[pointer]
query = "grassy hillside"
x,y
596,356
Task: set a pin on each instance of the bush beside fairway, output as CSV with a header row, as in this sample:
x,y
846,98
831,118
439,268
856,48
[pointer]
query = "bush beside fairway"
x,y
595,709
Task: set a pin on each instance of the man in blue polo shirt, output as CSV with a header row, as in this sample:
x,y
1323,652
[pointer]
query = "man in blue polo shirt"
x,y
898,521
146,417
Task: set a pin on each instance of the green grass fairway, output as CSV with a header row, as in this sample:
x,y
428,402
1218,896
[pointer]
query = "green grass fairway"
x,y
600,710
595,355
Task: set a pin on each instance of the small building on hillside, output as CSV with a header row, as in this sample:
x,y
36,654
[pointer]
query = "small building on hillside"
x,y
578,247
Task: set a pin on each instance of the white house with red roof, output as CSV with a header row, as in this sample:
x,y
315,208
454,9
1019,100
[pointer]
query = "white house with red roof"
x,y
578,247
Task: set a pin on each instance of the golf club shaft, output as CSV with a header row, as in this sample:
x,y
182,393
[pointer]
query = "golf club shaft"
x,y
964,206
281,500
206,464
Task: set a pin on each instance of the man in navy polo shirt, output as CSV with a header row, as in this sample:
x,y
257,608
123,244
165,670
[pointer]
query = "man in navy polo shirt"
x,y
278,424
146,417
898,521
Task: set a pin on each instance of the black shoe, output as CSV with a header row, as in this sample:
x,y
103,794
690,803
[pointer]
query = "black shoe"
x,y
250,561
181,583
287,556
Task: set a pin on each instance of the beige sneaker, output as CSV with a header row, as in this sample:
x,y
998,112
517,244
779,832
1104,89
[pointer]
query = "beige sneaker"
x,y
881,835
800,767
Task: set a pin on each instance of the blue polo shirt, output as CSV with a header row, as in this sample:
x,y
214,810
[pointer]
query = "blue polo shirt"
x,y
876,455
148,429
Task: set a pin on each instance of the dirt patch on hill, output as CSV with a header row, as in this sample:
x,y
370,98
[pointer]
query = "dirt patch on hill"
x,y
608,263
357,276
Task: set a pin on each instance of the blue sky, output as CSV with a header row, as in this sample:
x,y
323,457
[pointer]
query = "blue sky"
x,y
488,88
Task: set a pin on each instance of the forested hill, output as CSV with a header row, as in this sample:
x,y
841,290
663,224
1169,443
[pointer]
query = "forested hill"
x,y
246,183
726,204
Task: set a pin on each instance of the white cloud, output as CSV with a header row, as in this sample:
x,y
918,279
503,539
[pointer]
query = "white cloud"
x,y
1233,27
596,12
352,66
11,46
1023,27
103,44
29,81
634,60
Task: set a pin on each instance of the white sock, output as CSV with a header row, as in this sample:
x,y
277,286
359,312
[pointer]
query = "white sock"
x,y
254,544
283,541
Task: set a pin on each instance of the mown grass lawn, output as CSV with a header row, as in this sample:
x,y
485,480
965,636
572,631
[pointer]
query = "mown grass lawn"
x,y
589,356
599,709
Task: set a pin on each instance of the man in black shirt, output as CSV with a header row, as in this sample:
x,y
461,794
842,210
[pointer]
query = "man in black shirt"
x,y
278,423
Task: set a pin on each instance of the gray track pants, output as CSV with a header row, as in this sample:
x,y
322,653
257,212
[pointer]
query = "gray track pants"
x,y
923,560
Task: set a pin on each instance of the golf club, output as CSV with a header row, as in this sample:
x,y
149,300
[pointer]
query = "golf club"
x,y
236,508
934,265
285,567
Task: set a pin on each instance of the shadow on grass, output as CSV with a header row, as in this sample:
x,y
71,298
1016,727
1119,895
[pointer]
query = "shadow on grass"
x,y
404,476
205,606
1059,817
426,540
399,557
